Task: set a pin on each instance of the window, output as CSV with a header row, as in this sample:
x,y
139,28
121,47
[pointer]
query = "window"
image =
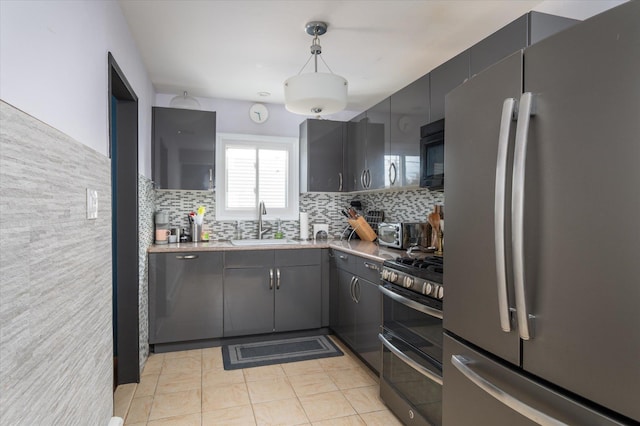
x,y
252,168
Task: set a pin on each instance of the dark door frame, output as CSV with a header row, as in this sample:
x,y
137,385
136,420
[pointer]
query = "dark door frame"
x,y
123,150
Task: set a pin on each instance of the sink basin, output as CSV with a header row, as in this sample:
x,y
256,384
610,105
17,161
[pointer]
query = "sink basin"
x,y
265,242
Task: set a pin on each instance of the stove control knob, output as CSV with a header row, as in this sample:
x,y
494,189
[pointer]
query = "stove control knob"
x,y
393,277
385,274
426,289
408,282
440,292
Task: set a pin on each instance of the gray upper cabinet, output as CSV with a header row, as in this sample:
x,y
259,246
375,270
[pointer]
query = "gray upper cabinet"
x,y
322,156
523,32
185,296
378,118
445,78
269,291
183,149
409,111
367,135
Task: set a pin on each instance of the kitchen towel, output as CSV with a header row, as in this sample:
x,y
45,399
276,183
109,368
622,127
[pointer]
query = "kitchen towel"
x,y
304,225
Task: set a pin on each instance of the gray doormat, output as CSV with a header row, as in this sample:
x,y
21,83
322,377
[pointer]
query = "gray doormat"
x,y
249,355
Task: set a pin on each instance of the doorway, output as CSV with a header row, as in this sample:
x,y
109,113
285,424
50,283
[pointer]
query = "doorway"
x,y
123,150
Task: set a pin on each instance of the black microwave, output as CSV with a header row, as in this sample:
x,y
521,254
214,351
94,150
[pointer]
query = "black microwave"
x,y
432,156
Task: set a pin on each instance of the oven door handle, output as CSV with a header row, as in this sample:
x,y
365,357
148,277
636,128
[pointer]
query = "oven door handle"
x,y
411,363
410,303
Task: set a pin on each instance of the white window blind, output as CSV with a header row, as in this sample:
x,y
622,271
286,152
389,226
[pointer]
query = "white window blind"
x,y
253,169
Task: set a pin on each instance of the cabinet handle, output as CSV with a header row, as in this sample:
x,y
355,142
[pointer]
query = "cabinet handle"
x,y
210,179
271,279
278,279
368,178
356,290
343,257
340,180
395,173
371,266
363,179
351,286
187,257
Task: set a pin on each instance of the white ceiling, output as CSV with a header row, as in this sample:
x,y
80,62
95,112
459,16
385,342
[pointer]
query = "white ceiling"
x,y
233,49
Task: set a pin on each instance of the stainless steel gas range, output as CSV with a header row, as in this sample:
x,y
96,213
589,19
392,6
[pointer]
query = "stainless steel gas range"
x,y
411,376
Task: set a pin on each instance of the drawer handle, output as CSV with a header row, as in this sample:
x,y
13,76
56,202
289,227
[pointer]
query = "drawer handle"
x,y
371,266
343,257
187,257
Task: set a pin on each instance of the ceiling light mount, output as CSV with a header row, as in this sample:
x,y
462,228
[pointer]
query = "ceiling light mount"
x,y
317,92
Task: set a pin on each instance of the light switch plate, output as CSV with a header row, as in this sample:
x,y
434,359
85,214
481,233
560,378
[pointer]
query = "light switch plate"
x,y
92,204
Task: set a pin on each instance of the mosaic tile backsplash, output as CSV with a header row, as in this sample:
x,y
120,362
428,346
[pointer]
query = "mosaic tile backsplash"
x,y
407,205
146,209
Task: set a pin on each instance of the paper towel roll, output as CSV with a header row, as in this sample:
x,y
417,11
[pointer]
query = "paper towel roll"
x,y
304,226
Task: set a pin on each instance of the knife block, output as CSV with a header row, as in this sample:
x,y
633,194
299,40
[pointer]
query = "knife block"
x,y
363,229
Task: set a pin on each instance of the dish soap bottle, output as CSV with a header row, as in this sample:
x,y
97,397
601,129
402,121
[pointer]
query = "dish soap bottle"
x,y
278,234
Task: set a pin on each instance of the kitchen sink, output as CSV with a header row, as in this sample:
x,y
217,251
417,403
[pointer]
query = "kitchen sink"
x,y
265,242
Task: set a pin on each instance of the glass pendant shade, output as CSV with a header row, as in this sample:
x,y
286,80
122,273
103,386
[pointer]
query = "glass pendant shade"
x,y
315,93
184,101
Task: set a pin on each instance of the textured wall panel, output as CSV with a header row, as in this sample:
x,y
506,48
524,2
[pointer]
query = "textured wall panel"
x,y
56,346
146,208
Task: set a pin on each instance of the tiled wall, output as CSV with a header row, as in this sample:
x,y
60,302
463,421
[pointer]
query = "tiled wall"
x,y
56,347
146,208
408,205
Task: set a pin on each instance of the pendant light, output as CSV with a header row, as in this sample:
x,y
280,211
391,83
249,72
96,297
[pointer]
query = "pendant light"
x,y
315,93
184,101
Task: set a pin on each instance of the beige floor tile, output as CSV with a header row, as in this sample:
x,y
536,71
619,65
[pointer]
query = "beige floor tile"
x,y
263,373
241,416
192,353
211,378
181,365
168,383
176,404
380,418
302,367
122,399
351,378
212,359
139,410
221,397
324,406
270,390
338,363
147,385
341,421
186,420
282,412
153,364
311,384
366,399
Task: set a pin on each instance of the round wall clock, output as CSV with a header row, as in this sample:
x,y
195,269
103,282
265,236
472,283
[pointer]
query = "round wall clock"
x,y
258,113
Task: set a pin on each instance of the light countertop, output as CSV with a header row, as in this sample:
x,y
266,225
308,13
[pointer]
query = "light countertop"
x,y
360,248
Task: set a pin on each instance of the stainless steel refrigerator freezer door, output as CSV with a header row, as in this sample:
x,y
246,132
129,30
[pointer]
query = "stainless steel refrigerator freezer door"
x,y
480,391
472,129
582,210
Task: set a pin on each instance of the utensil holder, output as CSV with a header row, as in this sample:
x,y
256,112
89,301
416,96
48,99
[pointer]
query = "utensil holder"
x,y
196,232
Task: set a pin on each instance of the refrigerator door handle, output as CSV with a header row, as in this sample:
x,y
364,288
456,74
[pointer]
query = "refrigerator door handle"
x,y
463,365
525,321
508,115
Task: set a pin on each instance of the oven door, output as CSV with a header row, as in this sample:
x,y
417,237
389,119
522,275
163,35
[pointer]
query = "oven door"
x,y
411,377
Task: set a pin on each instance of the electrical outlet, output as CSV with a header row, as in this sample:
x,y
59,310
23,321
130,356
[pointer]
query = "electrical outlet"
x,y
92,204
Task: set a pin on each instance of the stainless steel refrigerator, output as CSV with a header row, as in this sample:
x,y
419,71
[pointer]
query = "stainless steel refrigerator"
x,y
542,243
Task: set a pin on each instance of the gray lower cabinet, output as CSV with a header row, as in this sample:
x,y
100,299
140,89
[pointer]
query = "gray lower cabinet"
x,y
356,304
269,291
185,296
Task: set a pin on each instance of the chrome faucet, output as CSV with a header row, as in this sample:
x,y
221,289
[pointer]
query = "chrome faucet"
x,y
261,211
